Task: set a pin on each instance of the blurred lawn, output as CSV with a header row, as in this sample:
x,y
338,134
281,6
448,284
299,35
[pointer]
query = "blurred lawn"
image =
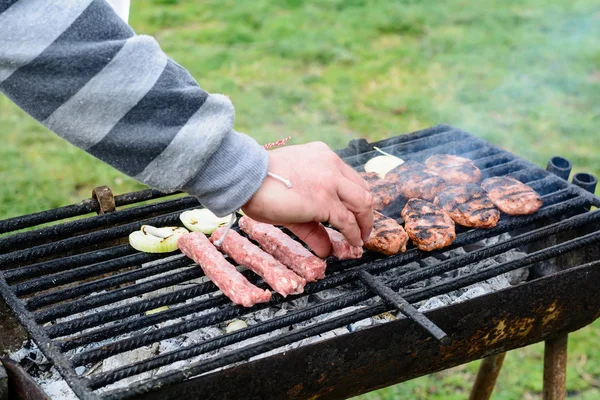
x,y
522,74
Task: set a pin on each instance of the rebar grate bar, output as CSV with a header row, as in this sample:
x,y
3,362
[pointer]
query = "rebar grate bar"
x,y
393,299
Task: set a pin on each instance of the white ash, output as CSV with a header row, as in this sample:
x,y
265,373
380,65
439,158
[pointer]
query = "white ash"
x,y
52,382
33,361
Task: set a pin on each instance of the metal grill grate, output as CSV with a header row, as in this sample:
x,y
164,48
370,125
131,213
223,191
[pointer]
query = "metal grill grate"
x,y
40,267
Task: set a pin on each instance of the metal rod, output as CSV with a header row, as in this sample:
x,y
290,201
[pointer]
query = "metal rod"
x,y
88,271
105,378
101,317
393,299
87,206
489,369
173,330
29,238
328,306
87,303
79,386
70,292
245,353
147,320
555,368
93,238
61,264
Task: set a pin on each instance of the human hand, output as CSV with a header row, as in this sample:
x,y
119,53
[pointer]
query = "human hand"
x,y
324,189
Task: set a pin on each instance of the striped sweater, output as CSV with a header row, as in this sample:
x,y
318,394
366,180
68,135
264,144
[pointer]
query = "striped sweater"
x,y
80,70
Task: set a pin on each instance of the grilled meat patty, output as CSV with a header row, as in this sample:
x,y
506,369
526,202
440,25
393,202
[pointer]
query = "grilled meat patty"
x,y
382,191
387,237
468,205
454,170
511,196
427,225
414,180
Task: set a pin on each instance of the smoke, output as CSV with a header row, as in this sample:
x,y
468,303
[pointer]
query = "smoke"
x,y
539,94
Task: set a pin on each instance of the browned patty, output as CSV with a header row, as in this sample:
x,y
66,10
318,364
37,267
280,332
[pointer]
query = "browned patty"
x,y
454,170
387,237
370,177
383,192
427,225
468,205
511,196
414,180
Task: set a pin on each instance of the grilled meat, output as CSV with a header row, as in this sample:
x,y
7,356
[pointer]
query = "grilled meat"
x,y
414,180
223,274
454,170
284,249
427,225
387,237
283,280
511,196
341,248
468,205
370,177
382,191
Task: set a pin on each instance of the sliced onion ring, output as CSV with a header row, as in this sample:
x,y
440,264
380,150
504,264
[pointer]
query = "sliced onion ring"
x,y
150,239
203,220
382,164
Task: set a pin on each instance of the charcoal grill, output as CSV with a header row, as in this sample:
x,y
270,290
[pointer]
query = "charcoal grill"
x,y
66,282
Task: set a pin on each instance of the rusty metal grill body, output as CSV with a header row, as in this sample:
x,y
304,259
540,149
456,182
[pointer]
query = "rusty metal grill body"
x,y
72,267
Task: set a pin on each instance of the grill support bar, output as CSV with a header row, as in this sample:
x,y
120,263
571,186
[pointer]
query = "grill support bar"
x,y
555,367
486,377
393,299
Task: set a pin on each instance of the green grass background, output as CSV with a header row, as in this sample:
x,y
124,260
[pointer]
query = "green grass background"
x,y
524,75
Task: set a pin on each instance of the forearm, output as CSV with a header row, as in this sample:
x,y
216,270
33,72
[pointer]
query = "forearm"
x,y
83,73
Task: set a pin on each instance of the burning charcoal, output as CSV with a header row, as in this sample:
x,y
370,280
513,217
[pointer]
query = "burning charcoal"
x,y
452,253
297,304
395,272
472,293
498,282
435,302
178,365
417,285
56,387
261,315
196,336
518,276
383,318
79,370
280,313
355,326
130,357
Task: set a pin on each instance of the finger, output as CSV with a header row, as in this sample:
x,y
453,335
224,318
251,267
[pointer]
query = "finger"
x,y
359,202
345,222
314,235
353,176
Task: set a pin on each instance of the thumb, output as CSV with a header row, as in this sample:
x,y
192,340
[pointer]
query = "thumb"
x,y
314,235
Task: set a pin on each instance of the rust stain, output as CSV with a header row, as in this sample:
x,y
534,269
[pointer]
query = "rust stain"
x,y
552,313
295,391
321,393
504,328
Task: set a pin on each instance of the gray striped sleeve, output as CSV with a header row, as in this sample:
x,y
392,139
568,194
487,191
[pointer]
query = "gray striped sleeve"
x,y
82,72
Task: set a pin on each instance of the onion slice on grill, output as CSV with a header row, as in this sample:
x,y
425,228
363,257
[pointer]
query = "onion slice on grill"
x,y
235,325
150,239
202,220
382,164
